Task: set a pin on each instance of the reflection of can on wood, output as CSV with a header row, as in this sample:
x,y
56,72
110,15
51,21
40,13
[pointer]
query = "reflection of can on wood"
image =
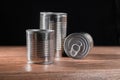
x,y
78,45
40,46
55,21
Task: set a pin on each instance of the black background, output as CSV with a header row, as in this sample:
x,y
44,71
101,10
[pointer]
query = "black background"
x,y
100,18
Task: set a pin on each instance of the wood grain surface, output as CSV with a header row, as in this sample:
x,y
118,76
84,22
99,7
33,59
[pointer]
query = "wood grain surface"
x,y
102,63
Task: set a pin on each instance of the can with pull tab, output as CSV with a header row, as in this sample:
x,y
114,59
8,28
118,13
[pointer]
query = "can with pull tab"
x,y
78,45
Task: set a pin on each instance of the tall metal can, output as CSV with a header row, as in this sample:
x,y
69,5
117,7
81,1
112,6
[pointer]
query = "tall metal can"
x,y
55,21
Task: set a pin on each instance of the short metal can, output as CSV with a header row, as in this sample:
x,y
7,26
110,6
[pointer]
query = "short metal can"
x,y
40,46
78,45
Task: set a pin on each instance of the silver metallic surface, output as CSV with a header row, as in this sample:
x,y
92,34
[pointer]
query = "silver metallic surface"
x,y
40,46
78,45
58,22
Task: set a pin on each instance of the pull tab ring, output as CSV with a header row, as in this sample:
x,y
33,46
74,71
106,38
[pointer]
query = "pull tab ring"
x,y
74,52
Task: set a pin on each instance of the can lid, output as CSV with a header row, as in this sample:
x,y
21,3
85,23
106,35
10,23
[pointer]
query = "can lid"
x,y
77,45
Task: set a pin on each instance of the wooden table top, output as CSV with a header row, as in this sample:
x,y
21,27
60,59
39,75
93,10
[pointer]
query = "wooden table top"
x,y
102,63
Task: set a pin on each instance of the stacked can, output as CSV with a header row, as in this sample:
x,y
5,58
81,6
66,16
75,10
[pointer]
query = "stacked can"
x,y
48,42
57,22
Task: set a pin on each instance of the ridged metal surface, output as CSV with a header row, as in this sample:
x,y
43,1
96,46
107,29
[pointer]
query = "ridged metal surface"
x,y
58,22
40,46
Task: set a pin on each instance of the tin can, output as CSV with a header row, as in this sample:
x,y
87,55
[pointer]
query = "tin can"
x,y
47,20
40,46
55,21
78,45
